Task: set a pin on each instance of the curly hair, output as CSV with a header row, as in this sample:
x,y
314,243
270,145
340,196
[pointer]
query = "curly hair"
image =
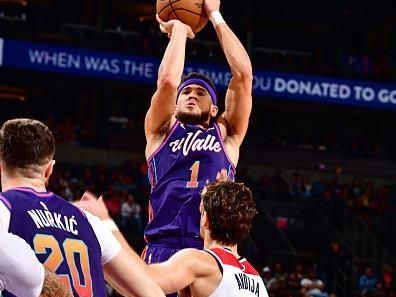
x,y
25,144
230,208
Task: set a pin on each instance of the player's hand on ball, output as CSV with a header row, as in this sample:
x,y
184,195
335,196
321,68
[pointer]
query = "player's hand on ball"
x,y
168,27
211,5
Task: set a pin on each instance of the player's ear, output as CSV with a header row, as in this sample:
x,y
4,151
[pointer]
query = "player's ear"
x,y
214,110
49,169
205,221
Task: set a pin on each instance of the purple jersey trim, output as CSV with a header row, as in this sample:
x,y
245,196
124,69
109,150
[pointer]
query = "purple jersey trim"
x,y
223,146
82,212
6,202
38,194
164,141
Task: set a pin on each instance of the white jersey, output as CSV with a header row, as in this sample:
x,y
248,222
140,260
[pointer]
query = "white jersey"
x,y
20,271
239,279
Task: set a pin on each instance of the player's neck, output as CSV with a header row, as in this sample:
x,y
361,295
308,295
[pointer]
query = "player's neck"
x,y
203,125
211,244
8,183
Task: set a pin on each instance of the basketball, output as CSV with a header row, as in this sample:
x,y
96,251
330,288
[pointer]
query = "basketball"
x,y
190,12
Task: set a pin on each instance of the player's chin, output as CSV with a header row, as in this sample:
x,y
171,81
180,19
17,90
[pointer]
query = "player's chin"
x,y
192,111
189,116
192,108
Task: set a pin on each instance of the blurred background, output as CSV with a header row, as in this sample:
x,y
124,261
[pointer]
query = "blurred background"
x,y
320,154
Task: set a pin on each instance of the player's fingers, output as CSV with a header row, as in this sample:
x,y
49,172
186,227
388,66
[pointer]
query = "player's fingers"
x,y
222,175
191,35
88,196
159,20
163,29
100,200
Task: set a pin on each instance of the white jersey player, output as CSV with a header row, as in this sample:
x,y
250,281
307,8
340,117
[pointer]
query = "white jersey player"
x,y
239,277
22,274
227,209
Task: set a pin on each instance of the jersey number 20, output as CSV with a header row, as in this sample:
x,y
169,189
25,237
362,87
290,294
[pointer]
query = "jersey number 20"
x,y
70,247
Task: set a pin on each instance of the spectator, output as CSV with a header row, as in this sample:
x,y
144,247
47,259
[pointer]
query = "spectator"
x,y
331,259
130,215
313,288
113,203
312,285
367,282
306,187
269,281
292,283
279,273
386,282
294,186
300,272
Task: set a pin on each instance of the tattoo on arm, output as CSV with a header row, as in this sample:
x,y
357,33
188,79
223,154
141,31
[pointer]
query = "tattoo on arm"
x,y
53,286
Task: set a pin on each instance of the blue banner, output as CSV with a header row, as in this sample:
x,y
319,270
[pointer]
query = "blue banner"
x,y
1,51
142,69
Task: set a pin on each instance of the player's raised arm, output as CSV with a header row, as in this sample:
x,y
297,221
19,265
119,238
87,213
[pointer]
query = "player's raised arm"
x,y
238,101
170,72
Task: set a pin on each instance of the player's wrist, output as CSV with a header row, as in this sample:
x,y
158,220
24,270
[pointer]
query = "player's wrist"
x,y
179,26
216,18
110,224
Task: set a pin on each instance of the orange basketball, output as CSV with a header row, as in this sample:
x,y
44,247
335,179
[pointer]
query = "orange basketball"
x,y
190,12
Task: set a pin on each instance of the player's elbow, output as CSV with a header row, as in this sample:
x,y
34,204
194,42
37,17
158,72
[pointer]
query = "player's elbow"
x,y
168,81
245,74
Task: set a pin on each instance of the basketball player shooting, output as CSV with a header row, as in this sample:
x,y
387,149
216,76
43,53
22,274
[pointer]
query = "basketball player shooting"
x,y
188,144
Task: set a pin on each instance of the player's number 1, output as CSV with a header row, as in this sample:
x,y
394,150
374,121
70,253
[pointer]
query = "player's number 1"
x,y
193,183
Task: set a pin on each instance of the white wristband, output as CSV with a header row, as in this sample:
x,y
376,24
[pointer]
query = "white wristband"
x,y
216,18
110,224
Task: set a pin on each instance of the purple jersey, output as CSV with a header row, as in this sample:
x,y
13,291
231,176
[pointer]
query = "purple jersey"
x,y
188,159
61,237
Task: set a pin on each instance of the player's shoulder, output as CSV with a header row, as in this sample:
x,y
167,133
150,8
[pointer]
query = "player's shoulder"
x,y
191,254
197,261
249,269
5,201
94,221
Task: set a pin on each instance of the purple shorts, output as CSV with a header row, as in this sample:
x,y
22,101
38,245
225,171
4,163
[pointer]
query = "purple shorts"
x,y
160,250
